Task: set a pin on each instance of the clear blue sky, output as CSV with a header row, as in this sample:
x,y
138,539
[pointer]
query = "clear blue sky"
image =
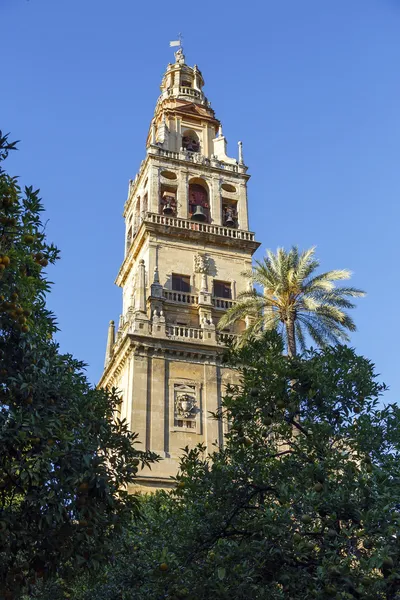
x,y
311,87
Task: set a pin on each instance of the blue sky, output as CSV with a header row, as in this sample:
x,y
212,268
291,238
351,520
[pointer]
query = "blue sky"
x,y
311,88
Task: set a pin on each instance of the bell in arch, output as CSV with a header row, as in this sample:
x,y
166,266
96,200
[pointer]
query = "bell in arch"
x,y
229,220
199,214
167,209
229,216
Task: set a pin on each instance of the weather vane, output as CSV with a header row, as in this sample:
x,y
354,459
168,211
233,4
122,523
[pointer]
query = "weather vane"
x,y
178,42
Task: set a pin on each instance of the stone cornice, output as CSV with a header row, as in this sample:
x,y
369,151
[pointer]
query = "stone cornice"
x,y
184,229
142,345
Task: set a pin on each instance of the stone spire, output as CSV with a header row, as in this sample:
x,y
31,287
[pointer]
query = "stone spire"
x,y
110,343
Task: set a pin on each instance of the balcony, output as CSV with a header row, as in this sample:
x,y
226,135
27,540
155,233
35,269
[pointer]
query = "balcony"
x,y
223,303
220,230
179,332
180,297
196,157
224,338
192,231
188,91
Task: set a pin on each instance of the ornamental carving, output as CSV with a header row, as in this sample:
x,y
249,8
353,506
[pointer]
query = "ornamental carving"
x,y
185,403
185,406
201,263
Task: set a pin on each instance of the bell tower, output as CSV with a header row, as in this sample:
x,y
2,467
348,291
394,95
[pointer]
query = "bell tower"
x,y
187,243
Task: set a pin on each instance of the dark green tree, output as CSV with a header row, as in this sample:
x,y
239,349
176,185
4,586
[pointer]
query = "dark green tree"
x,y
65,457
301,503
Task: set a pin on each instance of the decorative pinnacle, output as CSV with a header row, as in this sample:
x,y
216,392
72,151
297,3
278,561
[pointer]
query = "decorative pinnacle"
x,y
240,144
110,343
156,277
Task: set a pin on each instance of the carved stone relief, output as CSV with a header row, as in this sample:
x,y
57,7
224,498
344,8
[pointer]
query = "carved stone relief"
x,y
186,407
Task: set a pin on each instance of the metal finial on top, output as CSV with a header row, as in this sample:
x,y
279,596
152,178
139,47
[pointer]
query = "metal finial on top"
x,y
178,42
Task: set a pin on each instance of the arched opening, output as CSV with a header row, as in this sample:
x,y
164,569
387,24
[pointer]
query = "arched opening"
x,y
190,141
199,206
229,213
168,205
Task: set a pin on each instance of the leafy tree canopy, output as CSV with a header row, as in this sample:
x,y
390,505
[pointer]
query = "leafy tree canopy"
x,y
301,503
65,460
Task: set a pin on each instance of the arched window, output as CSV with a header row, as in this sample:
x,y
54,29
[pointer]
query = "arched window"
x,y
229,213
190,141
199,206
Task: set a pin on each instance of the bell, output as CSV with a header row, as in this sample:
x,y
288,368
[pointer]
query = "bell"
x,y
199,214
229,221
168,210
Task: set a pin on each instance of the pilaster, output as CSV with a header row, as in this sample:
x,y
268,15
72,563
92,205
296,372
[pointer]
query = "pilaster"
x,y
139,418
211,403
183,193
158,386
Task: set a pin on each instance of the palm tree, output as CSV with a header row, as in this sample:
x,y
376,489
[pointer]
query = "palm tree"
x,y
295,301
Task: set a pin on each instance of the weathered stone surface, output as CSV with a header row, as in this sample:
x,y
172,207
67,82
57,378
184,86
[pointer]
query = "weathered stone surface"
x,y
166,355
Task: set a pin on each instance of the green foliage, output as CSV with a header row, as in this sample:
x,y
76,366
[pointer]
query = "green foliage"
x,y
295,300
302,502
65,459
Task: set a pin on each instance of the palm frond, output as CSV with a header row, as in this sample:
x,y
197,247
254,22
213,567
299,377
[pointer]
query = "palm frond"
x,y
290,289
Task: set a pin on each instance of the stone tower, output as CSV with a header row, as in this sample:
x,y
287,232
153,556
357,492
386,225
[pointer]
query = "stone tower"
x,y
187,244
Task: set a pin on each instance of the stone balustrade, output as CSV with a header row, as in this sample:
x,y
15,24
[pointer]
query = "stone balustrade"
x,y
180,297
223,303
230,232
194,157
224,337
167,153
188,91
180,332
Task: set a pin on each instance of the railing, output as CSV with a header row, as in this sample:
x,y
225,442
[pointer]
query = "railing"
x,y
202,227
228,167
225,337
168,153
180,332
180,297
195,157
187,91
223,303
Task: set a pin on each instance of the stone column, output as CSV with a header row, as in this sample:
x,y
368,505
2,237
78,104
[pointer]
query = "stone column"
x,y
183,195
178,134
206,151
154,189
215,199
242,207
